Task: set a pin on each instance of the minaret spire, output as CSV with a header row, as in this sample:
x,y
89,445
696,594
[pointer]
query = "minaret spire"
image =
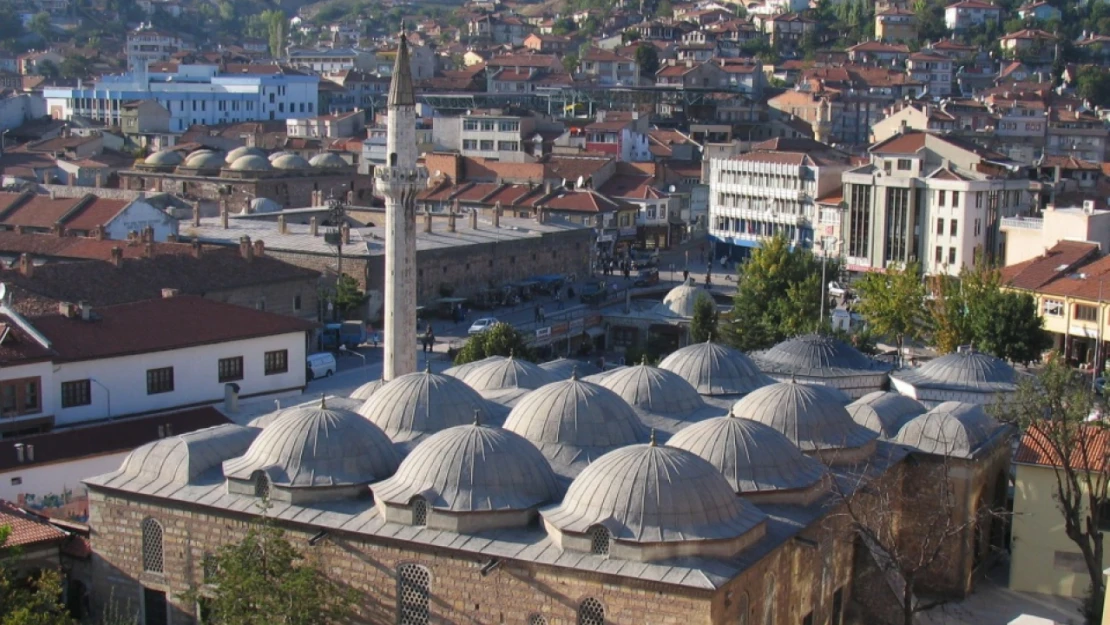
x,y
400,89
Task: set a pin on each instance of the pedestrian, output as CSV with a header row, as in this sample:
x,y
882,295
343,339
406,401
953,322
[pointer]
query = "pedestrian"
x,y
707,279
543,316
536,314
685,276
559,298
429,339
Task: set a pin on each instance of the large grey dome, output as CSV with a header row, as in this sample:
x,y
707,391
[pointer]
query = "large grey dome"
x,y
276,155
714,369
966,370
242,151
574,422
328,160
884,412
365,391
472,468
506,373
179,459
164,158
204,159
816,355
654,390
951,429
654,494
459,371
754,458
317,447
564,368
289,162
681,300
422,403
811,416
250,162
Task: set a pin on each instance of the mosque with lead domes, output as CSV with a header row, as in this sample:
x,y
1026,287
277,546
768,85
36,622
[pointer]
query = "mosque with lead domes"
x,y
707,490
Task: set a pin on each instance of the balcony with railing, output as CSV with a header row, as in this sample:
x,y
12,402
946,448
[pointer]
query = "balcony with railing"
x,y
1023,223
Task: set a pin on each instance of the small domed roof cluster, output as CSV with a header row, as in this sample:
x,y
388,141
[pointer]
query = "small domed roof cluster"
x,y
289,162
250,162
328,160
884,412
564,368
952,429
204,159
821,359
681,300
715,370
966,375
662,399
242,151
504,374
164,158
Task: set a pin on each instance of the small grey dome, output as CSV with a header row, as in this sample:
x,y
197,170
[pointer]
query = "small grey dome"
x,y
884,412
506,373
250,162
180,459
573,422
816,355
472,468
681,300
564,368
811,416
276,155
289,162
260,422
317,447
204,159
328,160
422,403
714,369
364,392
967,370
264,205
654,390
653,494
753,457
951,429
164,158
242,151
460,371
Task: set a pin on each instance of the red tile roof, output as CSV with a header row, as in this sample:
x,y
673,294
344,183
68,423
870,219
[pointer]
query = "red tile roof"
x,y
42,211
26,529
140,327
1089,447
1058,261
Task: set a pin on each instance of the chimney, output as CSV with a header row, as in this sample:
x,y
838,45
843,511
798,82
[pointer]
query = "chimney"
x,y
30,449
26,265
71,179
148,249
245,248
86,310
427,220
313,227
20,453
497,215
168,293
451,220
117,256
281,224
196,214
259,248
345,234
67,310
231,397
473,219
148,232
196,248
541,215
98,233
223,217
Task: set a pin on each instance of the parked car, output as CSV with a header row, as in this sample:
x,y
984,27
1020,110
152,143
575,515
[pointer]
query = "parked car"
x,y
321,365
647,277
836,290
481,325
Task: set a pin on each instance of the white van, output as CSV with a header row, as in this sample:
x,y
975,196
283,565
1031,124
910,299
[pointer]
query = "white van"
x,y
319,365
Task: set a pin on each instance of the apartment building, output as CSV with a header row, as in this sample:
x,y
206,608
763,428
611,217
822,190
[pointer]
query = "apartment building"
x,y
970,13
1021,127
934,70
896,25
772,190
193,94
610,68
501,134
934,199
1078,134
149,45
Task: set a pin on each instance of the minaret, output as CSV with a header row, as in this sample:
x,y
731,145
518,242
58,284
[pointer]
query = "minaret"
x,y
398,182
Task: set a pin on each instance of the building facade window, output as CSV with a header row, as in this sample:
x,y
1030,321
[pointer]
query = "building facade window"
x,y
941,197
537,619
276,362
419,511
951,256
76,393
905,164
155,607
600,538
1052,308
939,256
953,228
591,612
1085,312
153,554
261,485
940,226
413,582
231,369
19,397
159,380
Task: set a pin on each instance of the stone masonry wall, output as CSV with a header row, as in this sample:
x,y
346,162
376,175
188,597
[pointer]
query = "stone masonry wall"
x,y
459,593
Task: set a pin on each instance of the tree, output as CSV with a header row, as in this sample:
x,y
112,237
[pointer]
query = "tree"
x,y
703,326
1051,409
275,31
500,340
570,63
778,295
647,57
40,25
35,600
664,9
263,580
348,297
893,303
1093,85
75,66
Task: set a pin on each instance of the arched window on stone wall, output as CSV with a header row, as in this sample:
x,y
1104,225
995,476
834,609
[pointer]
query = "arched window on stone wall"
x,y
419,511
591,612
537,619
153,553
413,594
261,485
600,539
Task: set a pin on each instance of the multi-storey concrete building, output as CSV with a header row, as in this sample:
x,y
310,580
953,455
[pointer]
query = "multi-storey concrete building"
x,y
896,25
934,71
147,45
503,134
932,199
970,13
769,191
1078,134
610,68
194,94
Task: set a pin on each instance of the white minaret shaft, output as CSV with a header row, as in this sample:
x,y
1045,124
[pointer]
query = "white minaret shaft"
x,y
398,182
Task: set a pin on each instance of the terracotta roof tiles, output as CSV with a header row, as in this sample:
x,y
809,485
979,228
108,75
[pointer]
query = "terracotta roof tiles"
x,y
27,529
1054,263
1091,449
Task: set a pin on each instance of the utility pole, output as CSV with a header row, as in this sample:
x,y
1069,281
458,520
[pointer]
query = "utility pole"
x,y
1096,367
337,215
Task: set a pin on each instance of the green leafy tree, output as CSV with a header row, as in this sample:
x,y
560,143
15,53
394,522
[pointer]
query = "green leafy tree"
x,y
893,303
500,340
348,297
570,63
48,69
264,579
10,25
1093,85
40,25
275,31
35,600
664,9
647,57
703,326
564,26
1051,409
75,66
778,295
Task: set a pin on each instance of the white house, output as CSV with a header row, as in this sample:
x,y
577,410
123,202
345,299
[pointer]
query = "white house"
x,y
968,13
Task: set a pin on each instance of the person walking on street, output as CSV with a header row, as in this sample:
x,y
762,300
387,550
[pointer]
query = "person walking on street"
x,y
707,279
685,276
536,314
559,298
429,339
543,317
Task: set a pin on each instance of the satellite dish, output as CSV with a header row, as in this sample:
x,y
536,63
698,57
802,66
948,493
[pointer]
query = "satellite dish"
x,y
672,188
3,292
580,183
439,173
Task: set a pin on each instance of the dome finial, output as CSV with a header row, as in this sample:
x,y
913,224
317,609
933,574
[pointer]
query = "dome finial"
x,y
643,360
512,352
652,442
427,366
732,411
323,403
477,417
574,373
